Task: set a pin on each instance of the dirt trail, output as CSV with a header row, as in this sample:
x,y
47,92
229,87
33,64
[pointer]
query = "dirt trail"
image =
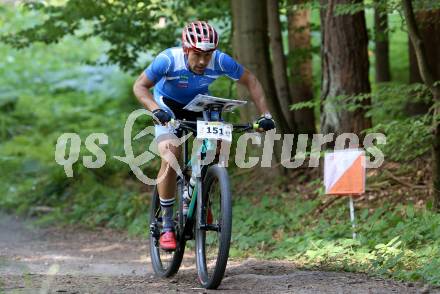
x,y
103,261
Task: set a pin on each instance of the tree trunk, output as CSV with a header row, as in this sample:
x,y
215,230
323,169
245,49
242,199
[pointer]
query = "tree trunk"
x,y
250,44
414,75
279,63
412,106
427,70
382,64
436,152
428,22
300,63
344,68
429,29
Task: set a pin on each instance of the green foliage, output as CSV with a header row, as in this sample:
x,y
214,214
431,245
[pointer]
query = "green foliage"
x,y
401,242
303,105
391,100
348,9
48,90
417,141
389,114
130,27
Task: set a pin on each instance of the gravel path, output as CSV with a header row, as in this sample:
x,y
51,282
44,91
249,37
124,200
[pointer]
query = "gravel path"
x,y
72,260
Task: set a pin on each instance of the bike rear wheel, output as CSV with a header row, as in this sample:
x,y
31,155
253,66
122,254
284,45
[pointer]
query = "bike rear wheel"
x,y
165,263
213,227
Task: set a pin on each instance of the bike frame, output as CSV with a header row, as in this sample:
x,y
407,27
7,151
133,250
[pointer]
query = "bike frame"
x,y
213,113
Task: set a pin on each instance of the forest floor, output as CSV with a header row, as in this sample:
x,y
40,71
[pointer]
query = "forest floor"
x,y
74,260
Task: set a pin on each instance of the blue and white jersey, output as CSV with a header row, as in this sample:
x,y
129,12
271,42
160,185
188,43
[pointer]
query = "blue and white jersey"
x,y
173,79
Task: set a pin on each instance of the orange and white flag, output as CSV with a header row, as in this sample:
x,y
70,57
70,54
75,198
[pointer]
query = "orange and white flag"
x,y
344,172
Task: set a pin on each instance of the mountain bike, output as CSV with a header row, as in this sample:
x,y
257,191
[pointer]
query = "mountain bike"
x,y
209,217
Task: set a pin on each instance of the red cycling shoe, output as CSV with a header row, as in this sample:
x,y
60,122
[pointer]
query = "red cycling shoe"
x,y
167,241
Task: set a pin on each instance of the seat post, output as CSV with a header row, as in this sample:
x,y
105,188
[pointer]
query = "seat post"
x,y
185,148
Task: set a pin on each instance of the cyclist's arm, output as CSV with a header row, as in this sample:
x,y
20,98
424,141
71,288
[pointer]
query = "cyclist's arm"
x,y
250,81
141,91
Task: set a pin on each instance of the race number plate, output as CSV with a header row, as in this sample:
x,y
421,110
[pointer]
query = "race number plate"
x,y
214,130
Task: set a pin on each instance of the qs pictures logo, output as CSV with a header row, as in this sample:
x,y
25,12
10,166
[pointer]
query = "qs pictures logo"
x,y
68,147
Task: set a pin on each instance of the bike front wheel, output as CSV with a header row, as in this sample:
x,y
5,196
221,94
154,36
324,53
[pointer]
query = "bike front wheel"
x,y
213,227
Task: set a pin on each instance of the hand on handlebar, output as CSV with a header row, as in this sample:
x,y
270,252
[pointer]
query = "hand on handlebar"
x,y
161,116
264,123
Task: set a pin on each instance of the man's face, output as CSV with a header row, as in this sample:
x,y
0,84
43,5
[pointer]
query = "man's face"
x,y
198,61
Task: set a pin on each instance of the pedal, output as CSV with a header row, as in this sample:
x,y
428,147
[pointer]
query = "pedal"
x,y
154,230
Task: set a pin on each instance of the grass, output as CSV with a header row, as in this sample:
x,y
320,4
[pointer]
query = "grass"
x,y
399,242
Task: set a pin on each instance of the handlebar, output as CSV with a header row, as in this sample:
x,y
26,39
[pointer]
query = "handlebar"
x,y
192,125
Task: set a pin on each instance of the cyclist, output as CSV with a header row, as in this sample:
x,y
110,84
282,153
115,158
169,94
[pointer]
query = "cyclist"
x,y
178,74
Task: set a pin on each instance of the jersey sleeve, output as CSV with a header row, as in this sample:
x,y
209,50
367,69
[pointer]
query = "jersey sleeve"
x,y
230,67
159,67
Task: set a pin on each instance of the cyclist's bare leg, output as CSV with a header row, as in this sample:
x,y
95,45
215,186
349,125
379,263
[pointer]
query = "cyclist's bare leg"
x,y
166,187
168,153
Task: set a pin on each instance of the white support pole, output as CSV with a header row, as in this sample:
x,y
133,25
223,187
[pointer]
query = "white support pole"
x,y
353,224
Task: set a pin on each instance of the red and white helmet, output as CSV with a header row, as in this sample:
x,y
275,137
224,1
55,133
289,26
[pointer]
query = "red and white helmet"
x,y
199,36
